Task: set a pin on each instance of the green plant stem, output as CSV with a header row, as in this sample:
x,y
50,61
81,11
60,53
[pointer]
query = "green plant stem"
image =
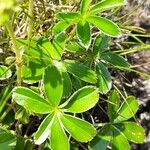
x,y
11,106
30,19
17,52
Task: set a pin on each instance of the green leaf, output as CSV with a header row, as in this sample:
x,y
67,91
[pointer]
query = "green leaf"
x,y
32,71
74,47
58,45
35,49
31,100
44,129
104,78
127,110
36,56
74,146
81,71
68,16
106,26
67,19
67,84
7,140
61,26
113,104
5,95
84,33
53,85
85,5
114,59
133,131
58,138
82,100
5,72
106,5
100,44
22,115
102,139
79,129
23,144
119,141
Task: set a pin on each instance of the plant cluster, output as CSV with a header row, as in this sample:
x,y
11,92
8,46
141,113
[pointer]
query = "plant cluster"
x,y
58,80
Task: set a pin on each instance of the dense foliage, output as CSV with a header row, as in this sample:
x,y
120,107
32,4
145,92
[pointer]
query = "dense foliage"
x,y
53,79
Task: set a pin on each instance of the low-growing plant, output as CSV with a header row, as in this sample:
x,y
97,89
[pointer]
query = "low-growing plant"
x,y
57,81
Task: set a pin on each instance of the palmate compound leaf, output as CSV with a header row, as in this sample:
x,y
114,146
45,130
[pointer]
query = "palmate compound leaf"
x,y
104,82
53,84
84,33
79,129
106,5
102,139
82,100
106,26
133,131
5,72
31,100
127,110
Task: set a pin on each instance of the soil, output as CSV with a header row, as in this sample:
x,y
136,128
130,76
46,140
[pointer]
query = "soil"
x,y
141,86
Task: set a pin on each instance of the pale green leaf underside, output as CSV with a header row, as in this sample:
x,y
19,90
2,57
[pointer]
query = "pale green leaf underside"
x,y
31,100
79,129
83,100
44,129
